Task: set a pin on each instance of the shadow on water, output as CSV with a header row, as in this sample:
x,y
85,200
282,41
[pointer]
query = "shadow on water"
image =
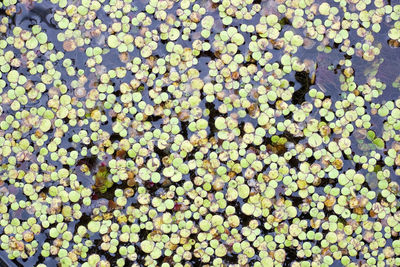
x,y
299,96
39,14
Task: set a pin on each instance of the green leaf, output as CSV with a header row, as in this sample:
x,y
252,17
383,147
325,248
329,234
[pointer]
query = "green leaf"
x,y
379,143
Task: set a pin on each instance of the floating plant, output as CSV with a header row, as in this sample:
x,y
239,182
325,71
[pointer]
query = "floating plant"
x,y
199,133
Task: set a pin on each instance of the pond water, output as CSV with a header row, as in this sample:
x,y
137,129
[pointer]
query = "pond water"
x,y
188,133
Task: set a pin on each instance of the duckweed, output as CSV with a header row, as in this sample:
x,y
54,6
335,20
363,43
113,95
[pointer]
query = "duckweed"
x,y
197,133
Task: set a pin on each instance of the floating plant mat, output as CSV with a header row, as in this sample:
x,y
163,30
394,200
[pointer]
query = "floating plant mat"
x,y
199,133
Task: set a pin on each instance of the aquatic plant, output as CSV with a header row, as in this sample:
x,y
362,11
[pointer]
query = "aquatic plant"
x,y
191,133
